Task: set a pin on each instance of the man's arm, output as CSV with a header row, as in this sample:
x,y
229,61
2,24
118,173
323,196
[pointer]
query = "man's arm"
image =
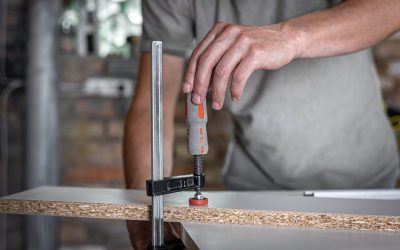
x,y
137,136
351,26
235,52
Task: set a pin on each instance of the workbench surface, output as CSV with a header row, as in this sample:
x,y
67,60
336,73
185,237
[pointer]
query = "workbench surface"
x,y
232,237
268,220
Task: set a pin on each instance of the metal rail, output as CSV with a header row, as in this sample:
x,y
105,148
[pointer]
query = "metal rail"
x,y
157,165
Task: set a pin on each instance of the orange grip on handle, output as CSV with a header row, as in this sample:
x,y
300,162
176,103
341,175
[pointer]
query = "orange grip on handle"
x,y
196,121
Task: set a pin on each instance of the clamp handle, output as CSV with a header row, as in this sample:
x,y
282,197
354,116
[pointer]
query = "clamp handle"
x,y
196,121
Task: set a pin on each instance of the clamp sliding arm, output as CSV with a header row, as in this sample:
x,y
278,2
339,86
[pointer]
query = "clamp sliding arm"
x,y
174,184
158,185
157,155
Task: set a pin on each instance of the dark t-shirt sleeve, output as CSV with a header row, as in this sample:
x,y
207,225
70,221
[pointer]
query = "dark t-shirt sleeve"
x,y
169,21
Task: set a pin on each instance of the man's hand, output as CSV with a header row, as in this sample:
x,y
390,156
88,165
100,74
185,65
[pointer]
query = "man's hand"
x,y
235,52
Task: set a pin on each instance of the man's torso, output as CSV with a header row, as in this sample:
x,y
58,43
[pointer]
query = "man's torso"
x,y
315,123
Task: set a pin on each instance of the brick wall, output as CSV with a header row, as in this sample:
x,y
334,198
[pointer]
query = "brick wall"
x,y
91,129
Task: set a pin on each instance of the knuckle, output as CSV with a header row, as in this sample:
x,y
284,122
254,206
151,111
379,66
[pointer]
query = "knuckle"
x,y
205,58
238,78
243,38
220,70
254,53
232,28
200,85
200,88
189,74
220,24
195,52
254,50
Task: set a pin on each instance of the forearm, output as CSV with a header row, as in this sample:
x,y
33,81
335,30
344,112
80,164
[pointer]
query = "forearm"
x,y
137,149
137,132
349,27
136,144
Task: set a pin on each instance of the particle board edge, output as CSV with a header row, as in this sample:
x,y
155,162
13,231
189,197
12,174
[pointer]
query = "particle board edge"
x,y
204,215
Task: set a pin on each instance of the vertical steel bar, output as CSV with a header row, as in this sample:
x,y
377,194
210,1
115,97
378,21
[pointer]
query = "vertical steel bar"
x,y
157,165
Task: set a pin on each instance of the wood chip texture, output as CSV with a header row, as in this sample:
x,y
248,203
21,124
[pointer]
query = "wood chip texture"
x,y
243,208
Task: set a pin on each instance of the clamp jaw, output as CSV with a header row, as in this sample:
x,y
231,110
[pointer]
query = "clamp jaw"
x,y
174,184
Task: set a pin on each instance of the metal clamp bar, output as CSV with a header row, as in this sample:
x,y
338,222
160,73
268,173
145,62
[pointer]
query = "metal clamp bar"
x,y
157,154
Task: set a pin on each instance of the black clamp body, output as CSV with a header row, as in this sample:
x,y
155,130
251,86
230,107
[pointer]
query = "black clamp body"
x,y
174,184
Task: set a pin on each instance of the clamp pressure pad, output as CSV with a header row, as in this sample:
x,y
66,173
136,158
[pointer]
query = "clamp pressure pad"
x,y
198,202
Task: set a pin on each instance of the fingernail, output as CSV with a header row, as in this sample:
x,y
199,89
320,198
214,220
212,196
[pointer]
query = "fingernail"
x,y
186,87
234,99
215,105
196,98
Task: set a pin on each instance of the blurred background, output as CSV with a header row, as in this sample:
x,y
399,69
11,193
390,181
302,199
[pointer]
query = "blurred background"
x,y
67,75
